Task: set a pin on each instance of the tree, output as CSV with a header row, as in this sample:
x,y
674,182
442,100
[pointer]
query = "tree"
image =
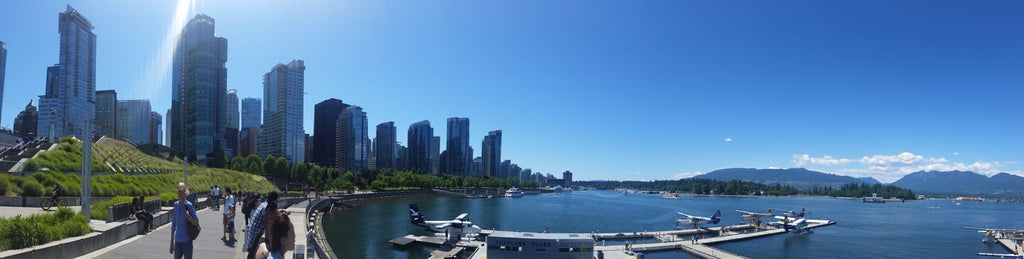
x,y
281,168
299,172
270,166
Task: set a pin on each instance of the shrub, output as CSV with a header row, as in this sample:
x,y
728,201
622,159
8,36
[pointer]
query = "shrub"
x,y
21,232
5,186
31,188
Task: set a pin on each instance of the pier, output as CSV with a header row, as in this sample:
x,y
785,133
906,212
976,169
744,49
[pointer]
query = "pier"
x,y
664,241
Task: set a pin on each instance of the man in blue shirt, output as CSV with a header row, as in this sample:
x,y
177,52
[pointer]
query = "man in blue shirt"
x,y
181,243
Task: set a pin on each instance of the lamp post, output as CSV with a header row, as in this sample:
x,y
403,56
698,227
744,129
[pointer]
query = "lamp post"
x,y
86,168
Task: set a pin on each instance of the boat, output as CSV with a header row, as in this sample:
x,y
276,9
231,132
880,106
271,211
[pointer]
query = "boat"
x,y
873,199
513,193
674,196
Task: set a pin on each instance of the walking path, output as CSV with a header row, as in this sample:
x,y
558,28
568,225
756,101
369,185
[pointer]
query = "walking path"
x,y
156,244
6,211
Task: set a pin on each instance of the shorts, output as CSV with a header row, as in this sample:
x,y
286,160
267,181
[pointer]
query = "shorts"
x,y
231,226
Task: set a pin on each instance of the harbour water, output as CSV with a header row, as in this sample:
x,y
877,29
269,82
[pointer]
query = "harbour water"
x,y
913,229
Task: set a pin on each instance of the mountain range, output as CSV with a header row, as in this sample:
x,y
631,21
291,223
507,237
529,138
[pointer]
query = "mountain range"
x,y
799,178
962,183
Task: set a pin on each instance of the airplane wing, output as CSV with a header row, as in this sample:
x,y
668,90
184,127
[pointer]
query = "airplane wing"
x,y
745,212
685,215
781,217
442,226
463,217
798,222
1001,255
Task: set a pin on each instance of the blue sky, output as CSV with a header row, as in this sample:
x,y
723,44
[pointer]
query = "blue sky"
x,y
607,89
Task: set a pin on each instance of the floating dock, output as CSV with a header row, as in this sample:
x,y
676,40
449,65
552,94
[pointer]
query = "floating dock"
x,y
664,240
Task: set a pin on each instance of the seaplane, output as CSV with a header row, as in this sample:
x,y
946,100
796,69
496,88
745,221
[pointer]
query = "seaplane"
x,y
755,217
793,214
454,229
696,221
794,222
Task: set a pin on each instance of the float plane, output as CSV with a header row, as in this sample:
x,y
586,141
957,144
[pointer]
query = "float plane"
x,y
460,226
696,221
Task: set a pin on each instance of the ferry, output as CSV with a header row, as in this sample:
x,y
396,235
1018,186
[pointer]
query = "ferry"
x,y
873,199
513,193
674,196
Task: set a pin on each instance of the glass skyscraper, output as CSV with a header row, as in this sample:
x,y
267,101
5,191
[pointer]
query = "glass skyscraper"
x,y
491,154
71,84
459,156
419,139
106,113
353,143
251,113
384,146
325,132
282,134
134,120
199,95
231,128
3,74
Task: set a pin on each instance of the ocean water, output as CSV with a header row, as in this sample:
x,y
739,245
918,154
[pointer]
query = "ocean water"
x,y
915,229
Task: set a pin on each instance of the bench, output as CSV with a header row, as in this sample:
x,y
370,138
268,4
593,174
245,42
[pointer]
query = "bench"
x,y
122,211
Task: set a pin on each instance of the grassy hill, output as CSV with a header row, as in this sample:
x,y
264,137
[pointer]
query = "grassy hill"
x,y
143,174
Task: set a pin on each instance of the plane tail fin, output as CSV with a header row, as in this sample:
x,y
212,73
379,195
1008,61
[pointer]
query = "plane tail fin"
x,y
717,217
414,214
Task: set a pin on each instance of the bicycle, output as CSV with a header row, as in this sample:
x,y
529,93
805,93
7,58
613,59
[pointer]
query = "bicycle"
x,y
48,203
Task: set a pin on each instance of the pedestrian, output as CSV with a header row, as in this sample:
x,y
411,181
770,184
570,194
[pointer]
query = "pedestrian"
x,y
257,225
229,215
181,243
247,208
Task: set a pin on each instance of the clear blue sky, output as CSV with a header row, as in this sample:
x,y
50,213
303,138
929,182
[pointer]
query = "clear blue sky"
x,y
608,89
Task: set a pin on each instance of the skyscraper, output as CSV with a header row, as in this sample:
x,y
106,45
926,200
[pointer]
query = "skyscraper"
x,y
505,171
155,128
134,120
492,154
384,146
199,90
353,143
567,178
25,123
106,113
3,74
282,134
459,156
435,155
325,132
167,127
231,128
251,112
71,84
419,138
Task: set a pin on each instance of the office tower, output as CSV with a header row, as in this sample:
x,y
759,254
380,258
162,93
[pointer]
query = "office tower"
x,y
282,134
325,132
352,139
155,128
71,84
491,154
25,123
435,155
247,141
517,172
231,127
384,145
419,138
477,167
252,110
459,158
401,157
505,171
133,120
199,91
3,74
567,178
308,147
106,113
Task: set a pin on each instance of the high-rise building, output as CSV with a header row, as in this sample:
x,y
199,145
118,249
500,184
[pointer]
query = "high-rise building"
x,y
435,155
134,120
517,172
384,145
491,164
353,143
505,171
567,178
167,127
231,128
325,132
401,157
199,90
247,141
106,113
419,138
282,134
477,167
308,147
25,123
71,84
459,158
252,110
156,132
3,74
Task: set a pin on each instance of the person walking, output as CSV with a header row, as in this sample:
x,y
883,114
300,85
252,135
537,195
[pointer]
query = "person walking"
x,y
184,212
257,224
229,215
283,239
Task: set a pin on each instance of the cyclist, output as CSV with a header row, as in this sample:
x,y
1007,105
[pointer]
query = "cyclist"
x,y
57,191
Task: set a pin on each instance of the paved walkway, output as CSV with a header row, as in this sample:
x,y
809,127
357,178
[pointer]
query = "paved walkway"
x,y
155,244
6,211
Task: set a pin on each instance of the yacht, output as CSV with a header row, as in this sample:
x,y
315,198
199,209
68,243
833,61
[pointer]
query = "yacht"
x,y
513,193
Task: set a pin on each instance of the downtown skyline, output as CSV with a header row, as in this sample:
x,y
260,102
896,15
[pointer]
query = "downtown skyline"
x,y
665,106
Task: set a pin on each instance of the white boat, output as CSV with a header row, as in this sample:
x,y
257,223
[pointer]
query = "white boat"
x,y
513,193
674,196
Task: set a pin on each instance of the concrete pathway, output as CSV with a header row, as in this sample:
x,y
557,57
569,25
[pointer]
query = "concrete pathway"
x,y
6,211
155,244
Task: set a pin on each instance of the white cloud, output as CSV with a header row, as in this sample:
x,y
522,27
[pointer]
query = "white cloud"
x,y
956,153
889,168
728,139
686,175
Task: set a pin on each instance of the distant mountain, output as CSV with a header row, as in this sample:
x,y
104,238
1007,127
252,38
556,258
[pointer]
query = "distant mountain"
x,y
962,183
868,180
799,178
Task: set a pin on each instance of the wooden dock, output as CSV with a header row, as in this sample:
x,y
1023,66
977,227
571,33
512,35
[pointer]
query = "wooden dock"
x,y
1010,244
666,240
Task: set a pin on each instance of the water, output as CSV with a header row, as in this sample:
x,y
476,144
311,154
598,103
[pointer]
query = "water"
x,y
864,230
